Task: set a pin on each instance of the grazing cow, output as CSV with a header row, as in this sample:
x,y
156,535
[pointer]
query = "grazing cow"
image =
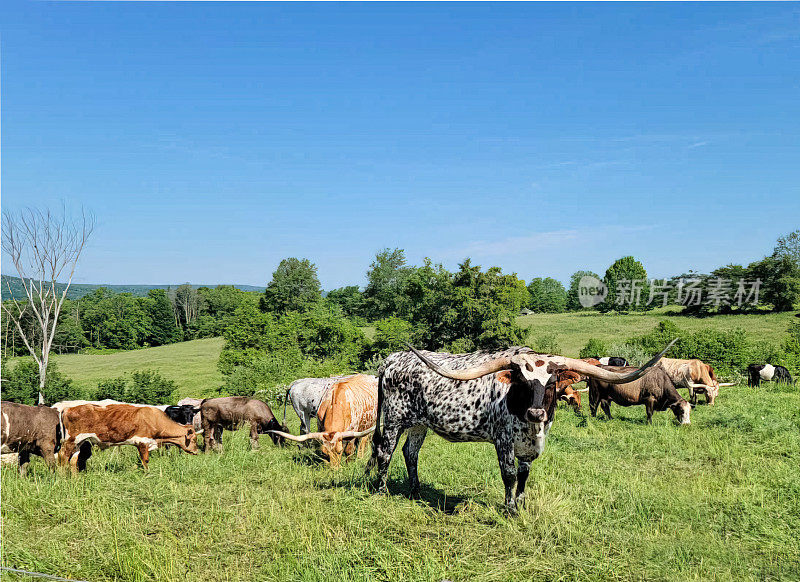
x,y
565,391
230,413
29,430
183,414
306,395
346,417
695,375
655,391
197,422
144,427
768,373
507,398
613,361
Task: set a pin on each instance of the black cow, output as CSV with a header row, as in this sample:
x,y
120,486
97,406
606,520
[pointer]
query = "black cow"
x,y
507,398
768,373
182,414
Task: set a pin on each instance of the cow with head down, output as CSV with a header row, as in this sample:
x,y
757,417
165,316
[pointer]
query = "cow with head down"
x,y
346,418
695,375
462,398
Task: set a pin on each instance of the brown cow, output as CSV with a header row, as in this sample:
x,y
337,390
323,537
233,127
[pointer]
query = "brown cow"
x,y
230,413
655,391
695,375
110,425
347,418
29,430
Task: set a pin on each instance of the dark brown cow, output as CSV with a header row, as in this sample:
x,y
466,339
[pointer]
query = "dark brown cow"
x,y
655,391
29,430
110,425
230,413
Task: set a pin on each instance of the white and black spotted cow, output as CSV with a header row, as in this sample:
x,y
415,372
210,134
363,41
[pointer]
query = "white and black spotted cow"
x,y
768,373
507,398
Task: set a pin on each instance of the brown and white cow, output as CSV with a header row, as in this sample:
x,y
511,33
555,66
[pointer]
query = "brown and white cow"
x,y
231,413
346,416
695,375
29,430
110,425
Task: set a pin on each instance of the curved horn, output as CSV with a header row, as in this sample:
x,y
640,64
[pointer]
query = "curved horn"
x,y
490,367
298,438
608,375
351,434
727,384
693,385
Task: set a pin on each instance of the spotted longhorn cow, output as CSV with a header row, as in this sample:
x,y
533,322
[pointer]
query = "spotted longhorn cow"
x,y
346,417
507,398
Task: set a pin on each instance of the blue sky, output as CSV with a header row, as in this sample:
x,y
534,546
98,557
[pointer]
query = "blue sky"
x,y
212,140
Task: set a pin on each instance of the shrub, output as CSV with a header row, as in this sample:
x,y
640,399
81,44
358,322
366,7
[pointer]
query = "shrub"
x,y
547,344
112,388
594,348
21,384
149,387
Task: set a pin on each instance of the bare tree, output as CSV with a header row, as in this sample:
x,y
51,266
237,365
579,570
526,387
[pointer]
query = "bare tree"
x,y
44,247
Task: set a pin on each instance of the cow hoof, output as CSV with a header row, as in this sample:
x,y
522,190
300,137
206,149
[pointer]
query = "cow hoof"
x,y
521,500
415,494
512,510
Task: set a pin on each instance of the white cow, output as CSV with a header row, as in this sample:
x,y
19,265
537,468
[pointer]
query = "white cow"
x,y
306,395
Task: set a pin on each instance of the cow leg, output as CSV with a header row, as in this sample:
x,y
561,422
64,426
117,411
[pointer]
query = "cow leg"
x,y
384,451
414,439
49,456
362,445
144,454
649,406
508,471
24,458
254,436
218,439
606,406
208,434
523,470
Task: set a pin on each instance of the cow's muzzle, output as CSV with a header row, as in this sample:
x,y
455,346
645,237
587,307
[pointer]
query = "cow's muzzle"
x,y
536,415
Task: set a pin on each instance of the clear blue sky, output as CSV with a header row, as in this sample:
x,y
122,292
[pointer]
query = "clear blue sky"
x,y
212,140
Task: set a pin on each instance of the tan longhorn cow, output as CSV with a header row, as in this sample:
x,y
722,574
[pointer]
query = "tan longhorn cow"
x,y
346,416
695,375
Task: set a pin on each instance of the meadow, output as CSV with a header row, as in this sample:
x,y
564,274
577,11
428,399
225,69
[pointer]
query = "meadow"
x,y
608,500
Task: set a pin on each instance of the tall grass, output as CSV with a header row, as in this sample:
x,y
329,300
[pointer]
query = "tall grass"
x,y
608,500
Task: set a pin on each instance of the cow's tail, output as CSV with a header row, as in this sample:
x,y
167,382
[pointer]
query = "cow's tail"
x,y
60,432
377,437
285,400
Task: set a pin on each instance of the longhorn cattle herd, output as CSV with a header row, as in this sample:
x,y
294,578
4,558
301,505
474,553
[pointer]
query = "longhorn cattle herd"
x,y
507,398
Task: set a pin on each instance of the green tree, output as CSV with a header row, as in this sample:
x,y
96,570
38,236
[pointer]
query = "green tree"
x,y
349,299
594,348
573,298
780,281
628,288
163,329
149,387
294,287
21,384
386,280
547,295
788,246
391,335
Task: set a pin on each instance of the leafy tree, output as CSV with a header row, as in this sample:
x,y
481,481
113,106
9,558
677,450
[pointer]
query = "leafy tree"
x,y
391,335
349,299
780,281
573,299
386,279
149,387
788,246
112,388
623,278
164,330
294,287
547,295
186,303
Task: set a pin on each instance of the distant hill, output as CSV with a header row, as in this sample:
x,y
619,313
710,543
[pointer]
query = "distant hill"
x,y
77,290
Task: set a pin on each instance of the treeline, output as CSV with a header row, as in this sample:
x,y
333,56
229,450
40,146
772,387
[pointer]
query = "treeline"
x,y
103,319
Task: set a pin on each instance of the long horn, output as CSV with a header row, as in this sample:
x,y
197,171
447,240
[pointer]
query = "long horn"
x,y
469,374
351,434
728,384
298,438
582,390
693,385
608,375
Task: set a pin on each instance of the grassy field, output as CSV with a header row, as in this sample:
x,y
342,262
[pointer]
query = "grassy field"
x,y
609,499
192,365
